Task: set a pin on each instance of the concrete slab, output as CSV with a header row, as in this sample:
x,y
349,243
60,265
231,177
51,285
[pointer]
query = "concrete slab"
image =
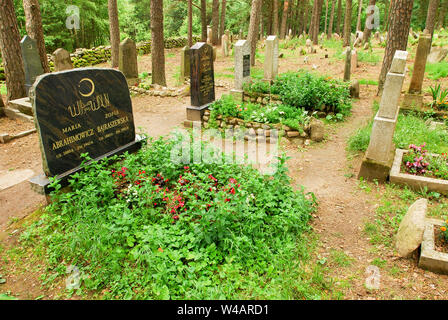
x,y
11,178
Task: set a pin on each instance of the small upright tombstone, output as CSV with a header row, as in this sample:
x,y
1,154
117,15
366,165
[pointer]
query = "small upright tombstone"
x,y
209,35
379,157
225,45
354,59
202,80
242,68
127,60
62,60
271,59
414,97
31,61
348,64
86,110
185,63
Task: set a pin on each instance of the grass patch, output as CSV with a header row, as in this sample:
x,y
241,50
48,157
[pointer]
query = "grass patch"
x,y
368,82
436,71
224,75
340,258
3,90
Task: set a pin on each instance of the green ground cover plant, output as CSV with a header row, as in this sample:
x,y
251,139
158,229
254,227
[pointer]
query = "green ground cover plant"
x,y
419,161
145,227
435,71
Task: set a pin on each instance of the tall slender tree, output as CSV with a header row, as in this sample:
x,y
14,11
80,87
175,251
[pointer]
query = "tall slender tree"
x,y
330,25
313,18
157,43
34,29
215,22
358,20
190,23
275,17
442,13
367,29
338,24
431,16
204,20
347,23
317,22
254,24
114,32
222,24
326,16
284,19
10,49
397,35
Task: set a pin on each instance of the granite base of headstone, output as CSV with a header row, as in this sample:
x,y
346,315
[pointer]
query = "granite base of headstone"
x,y
379,157
202,80
87,110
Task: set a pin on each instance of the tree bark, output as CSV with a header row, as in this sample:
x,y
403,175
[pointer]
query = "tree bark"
x,y
338,27
367,31
431,16
254,24
34,29
114,28
157,43
313,19
204,20
215,22
222,24
347,23
11,53
275,18
284,18
397,35
326,16
330,26
442,14
190,23
358,21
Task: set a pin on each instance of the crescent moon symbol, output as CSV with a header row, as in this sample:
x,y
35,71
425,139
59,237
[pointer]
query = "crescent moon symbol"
x,y
93,87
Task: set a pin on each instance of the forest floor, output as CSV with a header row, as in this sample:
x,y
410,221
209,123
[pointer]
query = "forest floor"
x,y
346,205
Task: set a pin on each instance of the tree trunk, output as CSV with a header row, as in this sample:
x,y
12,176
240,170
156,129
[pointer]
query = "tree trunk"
x,y
368,31
388,6
397,35
313,19
34,29
215,22
204,20
431,16
190,23
330,26
11,53
275,18
326,16
317,22
442,14
222,24
338,27
358,21
157,43
284,18
252,37
347,23
114,28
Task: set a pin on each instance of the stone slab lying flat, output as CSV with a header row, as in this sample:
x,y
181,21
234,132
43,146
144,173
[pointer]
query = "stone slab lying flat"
x,y
415,182
11,178
430,259
23,105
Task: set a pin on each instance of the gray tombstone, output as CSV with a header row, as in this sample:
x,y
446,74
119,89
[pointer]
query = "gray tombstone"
x,y
185,63
271,59
127,60
31,61
62,60
242,67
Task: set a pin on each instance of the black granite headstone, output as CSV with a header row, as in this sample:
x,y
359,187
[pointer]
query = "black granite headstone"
x,y
86,110
31,61
202,81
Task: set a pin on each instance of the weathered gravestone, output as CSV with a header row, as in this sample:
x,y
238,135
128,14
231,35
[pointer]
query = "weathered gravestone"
x,y
271,59
348,64
86,110
225,45
414,96
380,153
185,63
202,80
242,67
62,60
31,61
127,60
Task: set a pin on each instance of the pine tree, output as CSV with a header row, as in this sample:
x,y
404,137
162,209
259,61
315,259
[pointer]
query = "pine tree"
x,y
157,43
114,32
348,23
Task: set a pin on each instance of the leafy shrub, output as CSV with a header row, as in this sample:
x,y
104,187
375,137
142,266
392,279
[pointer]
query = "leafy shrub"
x,y
148,228
439,97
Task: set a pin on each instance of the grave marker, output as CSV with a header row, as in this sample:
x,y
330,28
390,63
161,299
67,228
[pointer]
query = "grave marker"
x,y
86,110
185,63
62,60
379,157
31,61
242,67
202,81
127,60
271,59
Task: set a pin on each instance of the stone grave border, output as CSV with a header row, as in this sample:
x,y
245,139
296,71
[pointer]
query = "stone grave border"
x,y
431,259
412,181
